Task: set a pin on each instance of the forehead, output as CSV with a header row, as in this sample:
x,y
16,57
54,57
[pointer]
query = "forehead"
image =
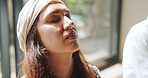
x,y
53,8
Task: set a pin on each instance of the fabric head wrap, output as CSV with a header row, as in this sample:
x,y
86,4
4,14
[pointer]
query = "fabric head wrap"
x,y
27,17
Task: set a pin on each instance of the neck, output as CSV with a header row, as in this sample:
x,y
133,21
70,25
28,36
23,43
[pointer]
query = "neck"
x,y
62,65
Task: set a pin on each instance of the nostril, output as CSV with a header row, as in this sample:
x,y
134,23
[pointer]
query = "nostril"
x,y
72,24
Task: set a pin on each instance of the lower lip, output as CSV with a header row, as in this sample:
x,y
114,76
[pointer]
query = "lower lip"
x,y
72,37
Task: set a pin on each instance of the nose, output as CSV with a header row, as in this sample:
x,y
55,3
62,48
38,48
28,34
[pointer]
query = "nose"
x,y
68,23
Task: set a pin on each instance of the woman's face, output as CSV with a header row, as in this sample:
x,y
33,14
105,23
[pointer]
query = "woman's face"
x,y
56,29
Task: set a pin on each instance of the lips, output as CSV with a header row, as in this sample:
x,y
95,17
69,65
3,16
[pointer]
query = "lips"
x,y
71,35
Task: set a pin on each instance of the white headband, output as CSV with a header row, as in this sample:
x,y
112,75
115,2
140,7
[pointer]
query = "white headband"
x,y
26,18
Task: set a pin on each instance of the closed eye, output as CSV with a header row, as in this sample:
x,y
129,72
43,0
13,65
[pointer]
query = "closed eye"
x,y
68,15
56,20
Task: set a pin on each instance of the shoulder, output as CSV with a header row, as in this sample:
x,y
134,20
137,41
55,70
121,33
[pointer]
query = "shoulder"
x,y
138,35
96,70
140,28
136,46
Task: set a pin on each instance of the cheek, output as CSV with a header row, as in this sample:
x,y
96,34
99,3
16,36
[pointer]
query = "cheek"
x,y
50,36
45,33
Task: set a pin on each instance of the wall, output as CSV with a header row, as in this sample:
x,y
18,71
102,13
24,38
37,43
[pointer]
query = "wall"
x,y
133,11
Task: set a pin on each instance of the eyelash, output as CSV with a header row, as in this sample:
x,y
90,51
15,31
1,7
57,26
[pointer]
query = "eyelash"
x,y
68,16
55,20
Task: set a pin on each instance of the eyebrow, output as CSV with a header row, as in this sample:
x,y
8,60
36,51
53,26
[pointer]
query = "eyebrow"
x,y
58,11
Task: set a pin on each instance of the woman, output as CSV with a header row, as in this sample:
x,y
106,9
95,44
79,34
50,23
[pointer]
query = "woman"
x,y
48,38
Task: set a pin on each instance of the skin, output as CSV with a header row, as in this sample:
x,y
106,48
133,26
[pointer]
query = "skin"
x,y
58,34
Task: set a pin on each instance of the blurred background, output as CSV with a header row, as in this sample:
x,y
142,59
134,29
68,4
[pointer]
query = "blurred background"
x,y
102,28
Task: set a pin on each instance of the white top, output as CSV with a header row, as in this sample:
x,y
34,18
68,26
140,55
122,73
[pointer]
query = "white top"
x,y
135,52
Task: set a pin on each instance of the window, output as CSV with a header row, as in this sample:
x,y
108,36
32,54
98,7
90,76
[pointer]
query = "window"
x,y
97,28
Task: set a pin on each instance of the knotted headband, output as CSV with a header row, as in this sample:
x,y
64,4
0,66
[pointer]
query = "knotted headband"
x,y
27,17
